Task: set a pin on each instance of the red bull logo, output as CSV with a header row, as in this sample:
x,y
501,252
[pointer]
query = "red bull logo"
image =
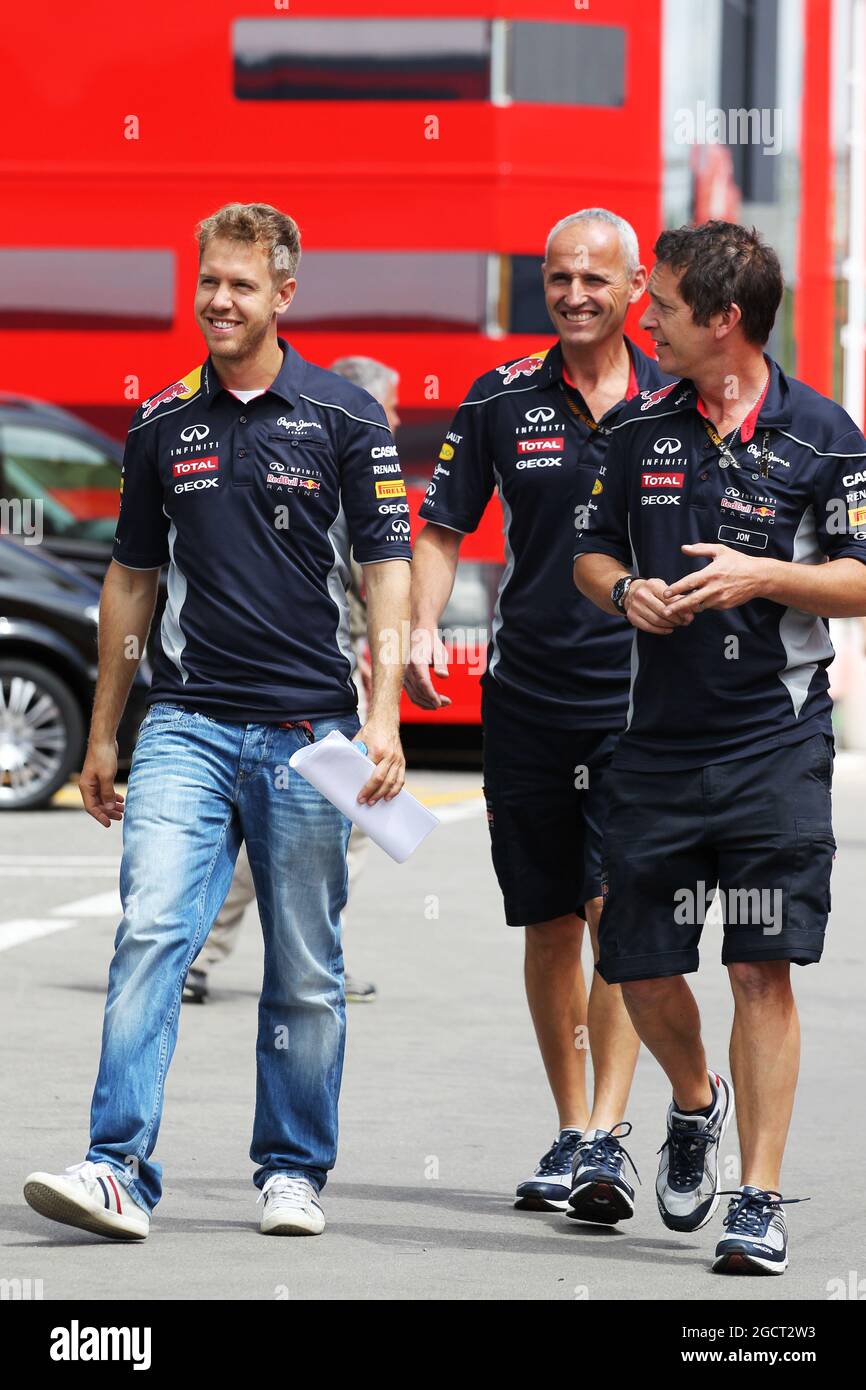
x,y
309,483
651,398
524,366
171,393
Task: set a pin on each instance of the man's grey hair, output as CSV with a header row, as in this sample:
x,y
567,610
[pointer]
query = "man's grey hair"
x,y
374,376
627,234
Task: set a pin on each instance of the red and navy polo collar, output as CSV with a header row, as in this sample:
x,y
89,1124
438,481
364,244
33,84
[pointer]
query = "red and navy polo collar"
x,y
771,411
286,384
642,370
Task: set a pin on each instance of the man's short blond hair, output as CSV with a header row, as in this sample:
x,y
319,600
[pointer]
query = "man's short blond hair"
x,y
256,224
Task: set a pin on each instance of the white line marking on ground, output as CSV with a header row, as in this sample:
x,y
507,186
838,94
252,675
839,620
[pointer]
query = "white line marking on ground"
x,y
100,905
58,871
463,812
27,929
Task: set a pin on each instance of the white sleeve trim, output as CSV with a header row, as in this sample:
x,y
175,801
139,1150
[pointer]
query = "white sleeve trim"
x,y
329,405
142,569
822,453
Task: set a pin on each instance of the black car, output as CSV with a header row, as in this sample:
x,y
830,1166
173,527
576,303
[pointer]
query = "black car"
x,y
49,623
68,467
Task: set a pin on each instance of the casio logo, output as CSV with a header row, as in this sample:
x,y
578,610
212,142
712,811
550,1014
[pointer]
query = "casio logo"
x,y
384,451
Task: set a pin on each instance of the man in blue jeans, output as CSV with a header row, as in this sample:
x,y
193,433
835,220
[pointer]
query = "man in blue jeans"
x,y
252,475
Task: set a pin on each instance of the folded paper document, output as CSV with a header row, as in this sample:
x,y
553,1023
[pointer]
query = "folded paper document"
x,y
338,769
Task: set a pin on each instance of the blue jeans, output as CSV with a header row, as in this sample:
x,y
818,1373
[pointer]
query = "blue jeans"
x,y
197,788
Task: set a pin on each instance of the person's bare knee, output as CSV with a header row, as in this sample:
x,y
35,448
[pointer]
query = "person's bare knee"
x,y
556,940
757,981
641,995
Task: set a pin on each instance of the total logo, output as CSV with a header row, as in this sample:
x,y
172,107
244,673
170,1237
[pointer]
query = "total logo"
x,y
539,446
662,480
208,465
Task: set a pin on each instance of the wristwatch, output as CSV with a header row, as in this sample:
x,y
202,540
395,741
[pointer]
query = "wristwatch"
x,y
619,591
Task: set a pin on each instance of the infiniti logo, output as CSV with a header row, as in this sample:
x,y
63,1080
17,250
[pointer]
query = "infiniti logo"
x,y
731,492
667,445
401,527
540,414
194,432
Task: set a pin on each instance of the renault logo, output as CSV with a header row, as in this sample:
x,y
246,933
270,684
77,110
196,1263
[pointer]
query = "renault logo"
x,y
667,445
194,432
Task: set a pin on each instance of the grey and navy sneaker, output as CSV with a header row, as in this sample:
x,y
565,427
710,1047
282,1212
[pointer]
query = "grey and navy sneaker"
x,y
599,1190
359,991
687,1186
550,1184
195,987
756,1236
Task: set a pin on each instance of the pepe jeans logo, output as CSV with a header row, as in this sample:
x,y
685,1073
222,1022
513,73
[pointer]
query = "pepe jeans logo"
x,y
298,424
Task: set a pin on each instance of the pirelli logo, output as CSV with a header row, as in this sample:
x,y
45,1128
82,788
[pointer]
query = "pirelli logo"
x,y
392,487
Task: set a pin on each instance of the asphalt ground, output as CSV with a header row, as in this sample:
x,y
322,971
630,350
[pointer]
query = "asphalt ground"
x,y
444,1109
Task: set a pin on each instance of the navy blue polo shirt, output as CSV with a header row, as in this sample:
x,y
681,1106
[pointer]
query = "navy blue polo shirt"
x,y
517,431
742,680
256,507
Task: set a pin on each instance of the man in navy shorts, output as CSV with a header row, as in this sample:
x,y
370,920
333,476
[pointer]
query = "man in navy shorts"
x,y
556,686
729,523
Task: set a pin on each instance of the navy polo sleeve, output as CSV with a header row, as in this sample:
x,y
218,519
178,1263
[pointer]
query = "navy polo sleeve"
x,y
839,497
372,488
463,480
141,538
601,520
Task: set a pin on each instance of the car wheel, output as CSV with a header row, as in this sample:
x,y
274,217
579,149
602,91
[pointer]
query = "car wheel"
x,y
41,734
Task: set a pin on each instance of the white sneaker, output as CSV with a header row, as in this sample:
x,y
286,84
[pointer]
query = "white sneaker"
x,y
292,1207
90,1196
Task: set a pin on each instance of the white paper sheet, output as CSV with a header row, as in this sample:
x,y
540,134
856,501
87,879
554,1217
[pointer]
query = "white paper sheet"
x,y
338,769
